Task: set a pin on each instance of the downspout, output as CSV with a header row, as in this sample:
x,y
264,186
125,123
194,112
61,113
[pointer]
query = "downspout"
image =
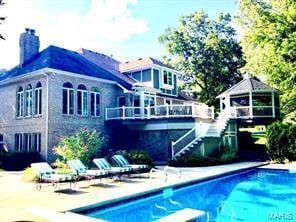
x,y
47,114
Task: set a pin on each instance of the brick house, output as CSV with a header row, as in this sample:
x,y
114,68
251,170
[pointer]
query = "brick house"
x,y
54,92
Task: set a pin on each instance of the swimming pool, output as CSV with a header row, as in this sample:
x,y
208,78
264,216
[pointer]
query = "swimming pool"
x,y
255,195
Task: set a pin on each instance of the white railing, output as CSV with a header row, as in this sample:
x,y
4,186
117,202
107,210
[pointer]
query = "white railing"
x,y
183,141
162,111
251,112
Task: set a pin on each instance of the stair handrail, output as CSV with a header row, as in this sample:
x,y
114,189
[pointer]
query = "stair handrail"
x,y
222,119
182,137
185,147
175,143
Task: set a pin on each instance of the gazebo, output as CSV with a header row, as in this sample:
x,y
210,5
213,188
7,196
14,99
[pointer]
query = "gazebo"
x,y
250,100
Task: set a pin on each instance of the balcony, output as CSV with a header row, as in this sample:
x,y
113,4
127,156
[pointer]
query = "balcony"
x,y
159,112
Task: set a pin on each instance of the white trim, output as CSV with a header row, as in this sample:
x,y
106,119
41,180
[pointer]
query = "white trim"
x,y
47,114
124,89
245,91
148,66
24,76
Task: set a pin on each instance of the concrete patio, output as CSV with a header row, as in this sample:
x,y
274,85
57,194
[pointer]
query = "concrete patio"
x,y
19,200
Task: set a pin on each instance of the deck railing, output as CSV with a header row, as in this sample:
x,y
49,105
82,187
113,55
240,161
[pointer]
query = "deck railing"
x,y
157,112
251,112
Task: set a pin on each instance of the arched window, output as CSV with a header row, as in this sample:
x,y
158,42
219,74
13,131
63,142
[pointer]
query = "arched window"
x,y
38,99
20,102
95,102
68,98
82,100
28,101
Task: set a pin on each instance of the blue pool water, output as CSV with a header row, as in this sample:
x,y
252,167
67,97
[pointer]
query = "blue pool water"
x,y
255,195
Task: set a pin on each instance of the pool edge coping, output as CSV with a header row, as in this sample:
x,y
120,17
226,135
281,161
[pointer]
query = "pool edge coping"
x,y
179,184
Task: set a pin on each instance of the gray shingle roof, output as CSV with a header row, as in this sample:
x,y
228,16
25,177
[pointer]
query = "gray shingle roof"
x,y
139,63
248,84
65,60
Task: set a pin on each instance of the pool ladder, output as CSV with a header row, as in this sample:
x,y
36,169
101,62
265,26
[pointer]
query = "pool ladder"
x,y
166,170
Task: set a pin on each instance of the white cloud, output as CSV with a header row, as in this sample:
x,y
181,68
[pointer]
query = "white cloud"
x,y
103,27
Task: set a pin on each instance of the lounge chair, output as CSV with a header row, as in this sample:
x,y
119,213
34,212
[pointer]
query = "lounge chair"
x,y
123,162
103,164
81,170
46,174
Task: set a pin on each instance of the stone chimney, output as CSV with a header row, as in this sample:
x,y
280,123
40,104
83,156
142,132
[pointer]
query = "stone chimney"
x,y
29,45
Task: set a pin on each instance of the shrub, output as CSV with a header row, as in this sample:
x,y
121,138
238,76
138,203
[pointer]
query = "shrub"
x,y
18,160
61,167
197,161
137,157
29,175
281,140
83,145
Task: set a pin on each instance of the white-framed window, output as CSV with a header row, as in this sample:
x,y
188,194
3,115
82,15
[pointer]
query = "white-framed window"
x,y
142,75
18,142
36,142
38,99
20,102
68,98
82,100
95,102
27,142
28,101
167,78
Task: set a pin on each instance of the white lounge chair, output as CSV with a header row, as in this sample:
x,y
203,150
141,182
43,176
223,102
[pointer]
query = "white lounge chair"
x,y
103,164
123,162
81,170
46,174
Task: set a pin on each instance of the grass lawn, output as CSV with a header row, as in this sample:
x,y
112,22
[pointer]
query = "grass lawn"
x,y
259,139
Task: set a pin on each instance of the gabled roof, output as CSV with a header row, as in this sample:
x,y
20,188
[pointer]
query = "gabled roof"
x,y
248,84
139,63
106,62
65,60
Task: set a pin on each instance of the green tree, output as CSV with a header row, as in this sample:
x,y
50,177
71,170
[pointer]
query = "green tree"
x,y
281,141
207,52
2,18
83,145
269,43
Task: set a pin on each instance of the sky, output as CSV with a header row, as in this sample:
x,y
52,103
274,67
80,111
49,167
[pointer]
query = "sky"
x,y
125,29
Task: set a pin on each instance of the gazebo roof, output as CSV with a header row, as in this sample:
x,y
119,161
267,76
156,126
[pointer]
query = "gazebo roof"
x,y
248,84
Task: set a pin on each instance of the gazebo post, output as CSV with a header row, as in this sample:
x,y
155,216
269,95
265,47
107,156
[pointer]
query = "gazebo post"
x,y
272,104
251,104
